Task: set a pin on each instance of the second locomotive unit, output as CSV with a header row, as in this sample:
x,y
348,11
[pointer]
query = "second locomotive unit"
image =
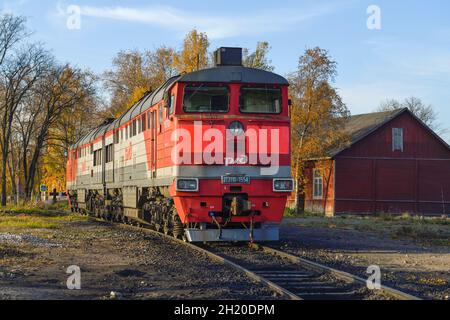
x,y
205,157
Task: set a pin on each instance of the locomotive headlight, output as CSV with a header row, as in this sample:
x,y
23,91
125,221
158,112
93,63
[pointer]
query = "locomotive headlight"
x,y
283,185
236,128
187,185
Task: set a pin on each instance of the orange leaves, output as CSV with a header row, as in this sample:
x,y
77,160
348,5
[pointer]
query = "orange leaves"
x,y
317,113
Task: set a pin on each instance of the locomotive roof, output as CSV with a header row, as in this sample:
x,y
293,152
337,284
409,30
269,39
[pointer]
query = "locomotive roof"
x,y
236,74
220,74
147,100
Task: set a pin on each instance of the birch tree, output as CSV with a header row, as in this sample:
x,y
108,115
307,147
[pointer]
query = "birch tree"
x,y
318,113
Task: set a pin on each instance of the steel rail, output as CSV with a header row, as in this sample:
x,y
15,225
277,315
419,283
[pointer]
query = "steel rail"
x,y
397,294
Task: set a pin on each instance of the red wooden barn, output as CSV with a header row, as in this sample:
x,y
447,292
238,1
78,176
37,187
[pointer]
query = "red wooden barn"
x,y
393,164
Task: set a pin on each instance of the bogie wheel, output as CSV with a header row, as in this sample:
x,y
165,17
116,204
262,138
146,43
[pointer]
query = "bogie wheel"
x,y
166,230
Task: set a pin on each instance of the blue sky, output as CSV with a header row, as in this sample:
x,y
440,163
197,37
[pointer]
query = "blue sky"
x,y
409,55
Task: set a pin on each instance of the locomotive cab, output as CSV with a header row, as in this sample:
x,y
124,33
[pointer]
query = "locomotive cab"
x,y
233,177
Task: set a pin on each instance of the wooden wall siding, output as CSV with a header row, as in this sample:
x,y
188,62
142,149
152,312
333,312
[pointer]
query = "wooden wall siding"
x,y
371,178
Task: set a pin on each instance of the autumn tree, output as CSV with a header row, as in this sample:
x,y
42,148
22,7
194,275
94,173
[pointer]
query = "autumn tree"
x,y
18,74
160,65
258,59
12,31
424,112
134,73
73,123
194,55
125,79
44,108
318,113
61,90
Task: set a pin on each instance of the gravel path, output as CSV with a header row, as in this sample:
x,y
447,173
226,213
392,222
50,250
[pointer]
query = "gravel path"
x,y
20,239
409,267
261,262
132,265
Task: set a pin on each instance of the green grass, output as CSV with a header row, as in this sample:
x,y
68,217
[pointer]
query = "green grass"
x,y
60,205
26,222
35,218
291,213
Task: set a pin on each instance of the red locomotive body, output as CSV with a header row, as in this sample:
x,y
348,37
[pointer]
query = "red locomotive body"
x,y
205,157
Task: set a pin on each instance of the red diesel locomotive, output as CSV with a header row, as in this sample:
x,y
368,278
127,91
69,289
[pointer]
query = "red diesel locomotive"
x,y
205,157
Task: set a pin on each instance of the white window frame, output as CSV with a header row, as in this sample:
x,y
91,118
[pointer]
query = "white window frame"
x,y
397,139
317,176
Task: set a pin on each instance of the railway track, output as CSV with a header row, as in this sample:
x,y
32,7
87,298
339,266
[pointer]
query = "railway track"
x,y
304,279
292,277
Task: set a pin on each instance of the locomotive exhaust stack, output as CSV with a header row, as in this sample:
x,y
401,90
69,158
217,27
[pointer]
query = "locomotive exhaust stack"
x,y
226,56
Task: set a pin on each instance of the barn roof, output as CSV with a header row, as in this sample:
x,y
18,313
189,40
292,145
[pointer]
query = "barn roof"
x,y
359,126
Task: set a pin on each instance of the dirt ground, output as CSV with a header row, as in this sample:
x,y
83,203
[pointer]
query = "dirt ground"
x,y
36,248
132,265
417,265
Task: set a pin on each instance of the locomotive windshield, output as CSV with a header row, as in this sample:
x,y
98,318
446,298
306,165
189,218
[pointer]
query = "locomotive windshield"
x,y
260,100
205,99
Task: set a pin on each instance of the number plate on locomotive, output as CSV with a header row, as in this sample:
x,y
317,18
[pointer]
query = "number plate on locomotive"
x,y
235,180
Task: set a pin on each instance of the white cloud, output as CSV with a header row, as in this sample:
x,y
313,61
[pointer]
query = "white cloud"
x,y
219,26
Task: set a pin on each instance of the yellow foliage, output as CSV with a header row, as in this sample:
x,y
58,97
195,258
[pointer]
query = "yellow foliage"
x,y
53,169
137,94
194,55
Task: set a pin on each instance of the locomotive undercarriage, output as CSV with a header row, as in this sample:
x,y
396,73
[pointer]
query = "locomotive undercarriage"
x,y
153,209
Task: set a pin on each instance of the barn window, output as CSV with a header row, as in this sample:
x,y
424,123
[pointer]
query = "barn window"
x,y
317,184
397,139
